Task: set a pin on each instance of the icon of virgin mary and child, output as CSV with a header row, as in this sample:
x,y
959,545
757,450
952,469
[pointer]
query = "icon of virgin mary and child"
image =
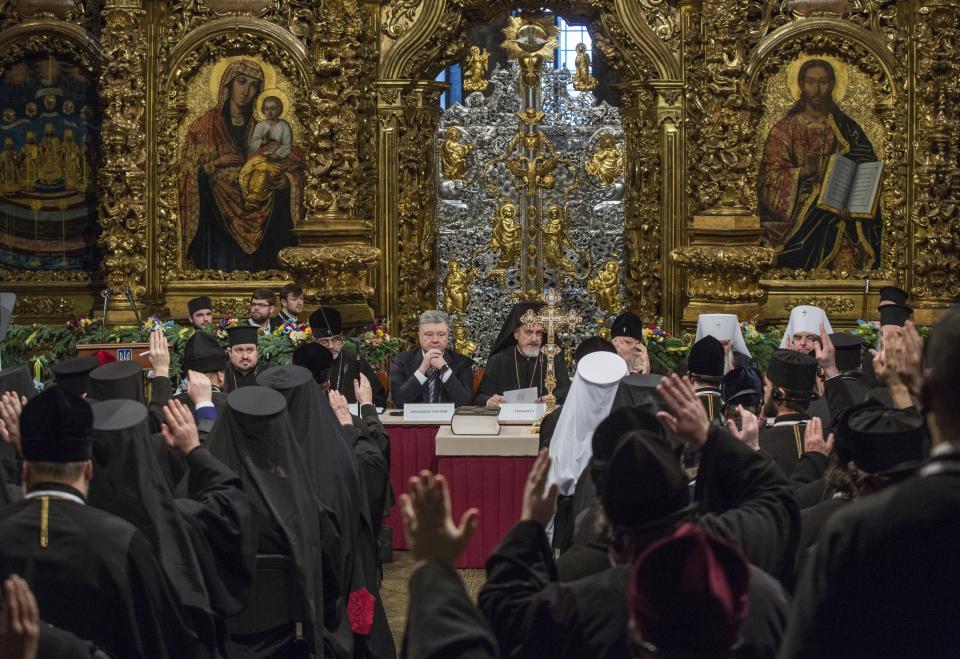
x,y
241,180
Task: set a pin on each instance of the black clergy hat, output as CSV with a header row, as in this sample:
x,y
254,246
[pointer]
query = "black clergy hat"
x,y
242,335
795,372
56,426
256,401
505,337
645,484
613,430
198,303
74,374
113,415
893,295
627,324
281,378
638,390
880,440
706,360
848,351
894,314
315,358
739,383
18,379
117,380
592,344
325,322
203,354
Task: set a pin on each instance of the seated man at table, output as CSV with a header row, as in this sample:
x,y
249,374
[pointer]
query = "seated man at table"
x,y
432,372
517,362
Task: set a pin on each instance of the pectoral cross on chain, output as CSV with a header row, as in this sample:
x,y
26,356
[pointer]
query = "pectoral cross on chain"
x,y
551,319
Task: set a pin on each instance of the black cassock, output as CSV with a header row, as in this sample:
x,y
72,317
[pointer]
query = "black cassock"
x,y
509,369
343,371
884,577
337,473
784,441
97,577
442,622
233,378
261,447
205,541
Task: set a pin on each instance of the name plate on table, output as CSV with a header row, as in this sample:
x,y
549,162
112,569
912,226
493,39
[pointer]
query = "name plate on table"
x,y
428,412
521,412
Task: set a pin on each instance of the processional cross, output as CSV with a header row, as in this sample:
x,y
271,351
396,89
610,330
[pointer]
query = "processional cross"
x,y
551,319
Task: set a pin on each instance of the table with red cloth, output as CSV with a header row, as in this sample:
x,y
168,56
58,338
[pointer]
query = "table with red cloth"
x,y
484,472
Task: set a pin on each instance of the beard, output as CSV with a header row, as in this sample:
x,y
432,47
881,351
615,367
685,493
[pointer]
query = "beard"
x,y
530,353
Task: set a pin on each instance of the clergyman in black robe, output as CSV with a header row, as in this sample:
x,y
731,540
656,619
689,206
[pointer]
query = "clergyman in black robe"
x,y
339,483
93,574
325,324
243,349
206,542
513,366
256,439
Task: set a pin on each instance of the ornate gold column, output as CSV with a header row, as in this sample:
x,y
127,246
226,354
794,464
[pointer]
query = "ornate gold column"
x,y
936,211
122,176
389,118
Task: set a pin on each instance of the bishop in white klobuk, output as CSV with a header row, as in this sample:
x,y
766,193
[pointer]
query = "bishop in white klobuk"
x,y
803,330
725,328
588,403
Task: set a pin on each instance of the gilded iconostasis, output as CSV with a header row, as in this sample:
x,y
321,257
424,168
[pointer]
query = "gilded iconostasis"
x,y
393,156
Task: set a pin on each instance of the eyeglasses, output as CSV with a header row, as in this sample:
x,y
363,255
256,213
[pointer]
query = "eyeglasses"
x,y
259,304
434,335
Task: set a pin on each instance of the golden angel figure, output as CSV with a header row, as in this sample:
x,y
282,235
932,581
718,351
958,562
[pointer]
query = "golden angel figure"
x,y
506,236
606,163
462,344
475,70
582,80
453,156
606,287
555,238
456,292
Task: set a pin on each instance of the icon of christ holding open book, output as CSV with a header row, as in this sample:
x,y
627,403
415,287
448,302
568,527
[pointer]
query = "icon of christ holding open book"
x,y
819,182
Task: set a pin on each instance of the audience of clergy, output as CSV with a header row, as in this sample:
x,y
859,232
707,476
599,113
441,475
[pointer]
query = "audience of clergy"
x,y
664,516
431,372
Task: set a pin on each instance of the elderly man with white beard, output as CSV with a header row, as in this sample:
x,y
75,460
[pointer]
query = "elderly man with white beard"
x,y
516,361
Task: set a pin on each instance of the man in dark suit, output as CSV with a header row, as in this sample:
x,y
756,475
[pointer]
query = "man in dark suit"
x,y
432,372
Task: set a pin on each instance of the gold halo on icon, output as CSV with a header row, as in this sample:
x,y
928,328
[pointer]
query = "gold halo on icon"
x,y
279,93
839,69
216,73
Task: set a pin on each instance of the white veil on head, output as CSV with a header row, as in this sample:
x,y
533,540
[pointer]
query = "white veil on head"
x,y
807,319
722,327
588,403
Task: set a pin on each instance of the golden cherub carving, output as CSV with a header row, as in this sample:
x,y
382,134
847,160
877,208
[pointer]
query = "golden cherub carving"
x,y
606,287
462,344
453,156
582,80
456,291
606,163
555,237
475,70
506,236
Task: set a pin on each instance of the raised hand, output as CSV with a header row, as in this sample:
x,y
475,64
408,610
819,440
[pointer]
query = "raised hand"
x,y
19,620
539,501
11,406
341,408
813,441
686,418
199,388
428,520
180,430
159,354
362,390
749,430
826,354
911,365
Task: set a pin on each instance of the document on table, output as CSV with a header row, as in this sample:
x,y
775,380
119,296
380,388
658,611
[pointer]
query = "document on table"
x,y
528,395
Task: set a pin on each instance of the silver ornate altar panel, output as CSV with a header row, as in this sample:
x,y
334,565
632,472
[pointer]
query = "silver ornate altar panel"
x,y
468,207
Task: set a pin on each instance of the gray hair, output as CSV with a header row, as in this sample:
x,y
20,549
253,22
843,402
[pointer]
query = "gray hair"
x,y
433,316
